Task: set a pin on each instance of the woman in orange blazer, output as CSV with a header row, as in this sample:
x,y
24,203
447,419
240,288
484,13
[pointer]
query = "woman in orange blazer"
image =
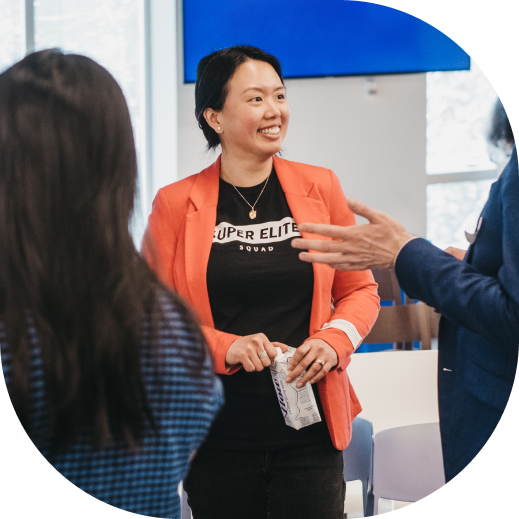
x,y
221,239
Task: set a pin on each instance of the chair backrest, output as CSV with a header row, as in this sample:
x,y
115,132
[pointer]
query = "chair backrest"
x,y
401,326
407,462
396,388
405,323
388,287
358,459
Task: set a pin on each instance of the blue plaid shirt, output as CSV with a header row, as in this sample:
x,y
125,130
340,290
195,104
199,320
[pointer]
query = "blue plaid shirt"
x,y
184,407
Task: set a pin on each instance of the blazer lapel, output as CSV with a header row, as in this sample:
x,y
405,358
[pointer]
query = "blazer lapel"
x,y
199,231
306,205
303,198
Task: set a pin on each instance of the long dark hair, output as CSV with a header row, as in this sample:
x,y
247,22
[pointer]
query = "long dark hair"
x,y
68,263
213,74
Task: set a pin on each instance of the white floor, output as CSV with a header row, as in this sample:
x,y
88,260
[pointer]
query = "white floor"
x,y
353,507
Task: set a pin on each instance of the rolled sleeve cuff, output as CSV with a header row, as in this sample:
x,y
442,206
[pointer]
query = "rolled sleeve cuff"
x,y
402,247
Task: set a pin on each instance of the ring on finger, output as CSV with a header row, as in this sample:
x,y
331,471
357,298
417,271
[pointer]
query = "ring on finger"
x,y
262,354
319,361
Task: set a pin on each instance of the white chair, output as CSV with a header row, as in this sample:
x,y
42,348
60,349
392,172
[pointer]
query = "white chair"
x,y
407,463
186,511
396,388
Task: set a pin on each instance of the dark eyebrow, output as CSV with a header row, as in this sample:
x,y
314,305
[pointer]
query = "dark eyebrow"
x,y
258,89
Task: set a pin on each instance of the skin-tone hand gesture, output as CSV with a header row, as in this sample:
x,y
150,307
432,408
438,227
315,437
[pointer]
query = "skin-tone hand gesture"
x,y
457,253
359,247
314,355
254,352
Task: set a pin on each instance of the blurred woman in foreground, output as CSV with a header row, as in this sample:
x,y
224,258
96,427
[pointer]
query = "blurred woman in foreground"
x,y
106,369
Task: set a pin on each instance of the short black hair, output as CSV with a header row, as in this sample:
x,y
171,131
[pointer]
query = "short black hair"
x,y
500,128
213,75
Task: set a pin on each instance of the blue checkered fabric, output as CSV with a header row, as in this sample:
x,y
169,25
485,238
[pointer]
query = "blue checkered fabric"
x,y
184,406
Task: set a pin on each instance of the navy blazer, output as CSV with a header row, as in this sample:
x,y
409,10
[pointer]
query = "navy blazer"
x,y
479,330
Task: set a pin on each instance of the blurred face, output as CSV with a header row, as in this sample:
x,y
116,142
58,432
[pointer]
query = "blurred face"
x,y
254,119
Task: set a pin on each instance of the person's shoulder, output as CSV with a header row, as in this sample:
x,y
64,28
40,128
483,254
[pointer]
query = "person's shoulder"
x,y
323,178
308,169
172,328
182,347
180,189
176,196
178,193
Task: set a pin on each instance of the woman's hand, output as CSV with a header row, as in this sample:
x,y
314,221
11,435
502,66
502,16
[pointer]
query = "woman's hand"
x,y
247,350
307,357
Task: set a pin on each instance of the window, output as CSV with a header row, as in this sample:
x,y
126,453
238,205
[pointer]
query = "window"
x,y
112,32
458,165
458,108
453,208
11,47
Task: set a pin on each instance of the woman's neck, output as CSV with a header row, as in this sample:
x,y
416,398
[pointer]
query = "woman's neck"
x,y
244,172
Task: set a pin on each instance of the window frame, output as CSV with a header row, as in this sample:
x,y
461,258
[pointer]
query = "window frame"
x,y
158,158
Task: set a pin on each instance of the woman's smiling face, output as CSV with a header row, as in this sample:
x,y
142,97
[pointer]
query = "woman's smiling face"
x,y
254,118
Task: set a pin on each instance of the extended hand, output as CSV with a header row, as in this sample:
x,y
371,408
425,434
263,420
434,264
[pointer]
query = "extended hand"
x,y
305,357
371,246
247,350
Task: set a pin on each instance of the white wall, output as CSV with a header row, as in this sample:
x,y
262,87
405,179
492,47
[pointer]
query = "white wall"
x,y
375,143
396,388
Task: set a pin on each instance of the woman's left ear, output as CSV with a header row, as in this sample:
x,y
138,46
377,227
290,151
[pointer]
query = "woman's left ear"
x,y
212,119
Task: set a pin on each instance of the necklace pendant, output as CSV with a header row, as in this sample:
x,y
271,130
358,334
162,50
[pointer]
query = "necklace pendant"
x,y
252,214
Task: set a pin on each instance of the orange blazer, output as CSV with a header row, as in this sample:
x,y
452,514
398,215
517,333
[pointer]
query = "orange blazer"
x,y
178,241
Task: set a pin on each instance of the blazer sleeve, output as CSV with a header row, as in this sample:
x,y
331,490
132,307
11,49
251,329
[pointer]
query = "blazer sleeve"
x,y
354,293
160,239
158,247
486,305
459,291
219,342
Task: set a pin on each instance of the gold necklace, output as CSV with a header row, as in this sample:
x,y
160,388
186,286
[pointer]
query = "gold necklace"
x,y
252,212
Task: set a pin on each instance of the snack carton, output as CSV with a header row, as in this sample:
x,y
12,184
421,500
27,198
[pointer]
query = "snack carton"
x,y
298,405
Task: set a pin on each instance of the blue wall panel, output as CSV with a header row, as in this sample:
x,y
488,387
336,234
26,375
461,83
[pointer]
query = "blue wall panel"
x,y
315,38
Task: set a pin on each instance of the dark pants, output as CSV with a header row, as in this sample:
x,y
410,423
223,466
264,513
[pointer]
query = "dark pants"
x,y
299,482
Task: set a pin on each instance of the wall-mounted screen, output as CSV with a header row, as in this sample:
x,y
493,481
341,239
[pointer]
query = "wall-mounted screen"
x,y
315,38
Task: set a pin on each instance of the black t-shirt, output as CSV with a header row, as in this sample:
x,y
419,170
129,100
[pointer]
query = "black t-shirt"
x,y
257,283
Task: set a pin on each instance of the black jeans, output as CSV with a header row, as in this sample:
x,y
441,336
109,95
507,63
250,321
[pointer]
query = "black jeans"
x,y
299,482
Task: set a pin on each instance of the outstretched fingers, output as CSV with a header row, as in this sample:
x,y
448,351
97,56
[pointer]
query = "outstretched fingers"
x,y
332,231
319,245
364,210
330,258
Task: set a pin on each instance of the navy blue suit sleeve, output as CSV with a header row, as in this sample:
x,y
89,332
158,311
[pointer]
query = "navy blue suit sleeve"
x,y
458,291
486,305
